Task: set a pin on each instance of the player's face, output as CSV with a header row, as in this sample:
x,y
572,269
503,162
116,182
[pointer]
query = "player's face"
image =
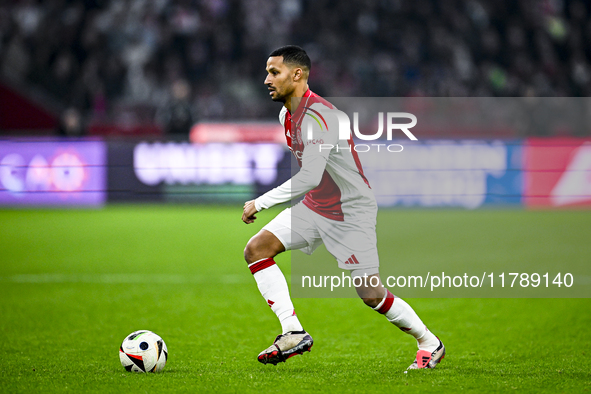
x,y
279,79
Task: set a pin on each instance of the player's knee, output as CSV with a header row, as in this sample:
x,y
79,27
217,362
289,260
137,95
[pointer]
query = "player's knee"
x,y
262,246
250,251
257,249
372,302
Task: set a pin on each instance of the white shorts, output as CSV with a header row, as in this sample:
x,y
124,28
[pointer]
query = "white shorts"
x,y
353,244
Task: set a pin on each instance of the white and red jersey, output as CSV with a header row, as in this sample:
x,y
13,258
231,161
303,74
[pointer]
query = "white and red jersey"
x,y
331,178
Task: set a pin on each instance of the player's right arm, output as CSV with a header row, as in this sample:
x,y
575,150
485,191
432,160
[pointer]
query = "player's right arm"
x,y
314,162
305,180
248,212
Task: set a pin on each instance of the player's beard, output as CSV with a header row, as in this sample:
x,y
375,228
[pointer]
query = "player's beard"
x,y
279,98
282,98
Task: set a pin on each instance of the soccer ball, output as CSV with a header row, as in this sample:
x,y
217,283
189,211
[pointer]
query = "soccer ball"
x,y
143,351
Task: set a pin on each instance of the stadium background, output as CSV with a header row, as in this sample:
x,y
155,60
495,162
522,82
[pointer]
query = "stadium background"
x,y
108,104
129,74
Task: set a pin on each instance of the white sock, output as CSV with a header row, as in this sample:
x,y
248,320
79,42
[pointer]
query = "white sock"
x,y
273,288
399,313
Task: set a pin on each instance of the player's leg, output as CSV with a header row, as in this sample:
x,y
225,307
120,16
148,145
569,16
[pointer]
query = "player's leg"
x,y
398,312
260,250
259,253
263,245
353,244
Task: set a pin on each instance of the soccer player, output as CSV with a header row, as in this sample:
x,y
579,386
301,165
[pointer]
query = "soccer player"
x,y
338,209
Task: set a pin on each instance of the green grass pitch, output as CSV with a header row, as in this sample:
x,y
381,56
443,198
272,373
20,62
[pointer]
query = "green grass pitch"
x,y
74,283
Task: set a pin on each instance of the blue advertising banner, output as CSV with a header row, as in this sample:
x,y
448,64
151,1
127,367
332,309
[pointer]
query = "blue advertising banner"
x,y
52,172
508,187
446,173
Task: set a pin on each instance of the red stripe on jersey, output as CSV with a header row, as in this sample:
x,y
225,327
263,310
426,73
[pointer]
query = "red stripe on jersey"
x,y
287,127
261,265
320,115
308,100
357,162
325,199
387,303
354,259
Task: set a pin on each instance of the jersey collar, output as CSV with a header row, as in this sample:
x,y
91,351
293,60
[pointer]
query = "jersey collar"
x,y
302,107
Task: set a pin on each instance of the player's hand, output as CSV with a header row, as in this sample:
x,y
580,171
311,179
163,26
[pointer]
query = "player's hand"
x,y
249,211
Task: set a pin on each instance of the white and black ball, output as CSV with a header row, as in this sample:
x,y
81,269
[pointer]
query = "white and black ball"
x,y
143,351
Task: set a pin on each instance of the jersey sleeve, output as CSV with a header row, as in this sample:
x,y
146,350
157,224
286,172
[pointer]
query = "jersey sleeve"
x,y
282,115
320,137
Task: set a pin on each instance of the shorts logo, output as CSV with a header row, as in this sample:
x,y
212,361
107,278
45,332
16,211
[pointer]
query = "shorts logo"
x,y
352,260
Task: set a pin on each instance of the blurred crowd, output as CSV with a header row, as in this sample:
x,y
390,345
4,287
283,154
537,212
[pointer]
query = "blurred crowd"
x,y
206,58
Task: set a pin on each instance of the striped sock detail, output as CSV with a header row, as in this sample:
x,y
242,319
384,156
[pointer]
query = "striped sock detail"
x,y
261,265
387,303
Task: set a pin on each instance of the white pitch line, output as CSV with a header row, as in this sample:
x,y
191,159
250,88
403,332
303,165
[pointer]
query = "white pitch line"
x,y
126,278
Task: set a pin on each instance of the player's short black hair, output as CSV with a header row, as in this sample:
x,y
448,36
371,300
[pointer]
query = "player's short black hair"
x,y
293,55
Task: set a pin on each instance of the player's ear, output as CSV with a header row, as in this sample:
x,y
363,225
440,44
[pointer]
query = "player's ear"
x,y
297,74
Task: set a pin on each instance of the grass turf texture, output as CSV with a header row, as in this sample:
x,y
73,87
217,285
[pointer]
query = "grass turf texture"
x,y
75,283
